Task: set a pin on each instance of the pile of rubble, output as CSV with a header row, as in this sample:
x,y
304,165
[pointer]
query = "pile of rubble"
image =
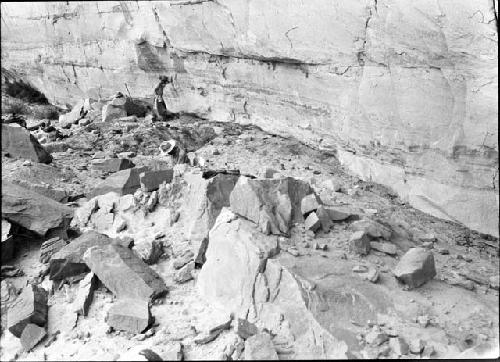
x,y
269,250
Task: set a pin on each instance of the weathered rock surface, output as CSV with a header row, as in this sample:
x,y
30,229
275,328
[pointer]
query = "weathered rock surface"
x,y
31,336
19,143
151,180
131,315
124,273
50,247
69,260
273,204
431,108
359,243
29,307
33,211
122,182
85,293
415,267
383,247
184,274
260,347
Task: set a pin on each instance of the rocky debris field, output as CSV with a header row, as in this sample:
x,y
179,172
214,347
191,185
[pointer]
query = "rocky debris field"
x,y
255,247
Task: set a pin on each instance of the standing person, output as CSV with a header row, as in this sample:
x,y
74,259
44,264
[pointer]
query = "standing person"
x,y
160,108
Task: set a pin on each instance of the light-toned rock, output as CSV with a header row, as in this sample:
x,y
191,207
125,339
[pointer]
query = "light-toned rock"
x,y
260,347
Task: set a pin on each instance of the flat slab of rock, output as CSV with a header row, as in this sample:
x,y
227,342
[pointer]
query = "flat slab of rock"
x,y
122,182
273,204
83,299
113,165
29,307
151,180
69,260
31,336
20,143
33,211
124,273
415,267
383,247
131,315
184,274
260,347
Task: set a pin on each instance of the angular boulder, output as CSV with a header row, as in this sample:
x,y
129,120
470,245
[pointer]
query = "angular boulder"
x,y
33,211
384,247
50,247
151,180
31,336
113,164
122,182
69,260
20,143
309,204
273,204
359,243
29,307
373,228
312,222
415,268
236,253
124,273
115,109
83,299
131,315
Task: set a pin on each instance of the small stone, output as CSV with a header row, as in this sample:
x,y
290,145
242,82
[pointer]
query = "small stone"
x,y
185,258
426,238
324,218
293,251
399,346
494,282
312,222
376,338
359,269
318,246
185,273
416,346
383,247
208,338
372,275
131,315
31,336
443,251
359,243
423,320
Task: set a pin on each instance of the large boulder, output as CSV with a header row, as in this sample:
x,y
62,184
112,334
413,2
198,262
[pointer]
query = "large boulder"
x,y
114,109
69,260
415,268
273,204
122,182
77,113
20,143
33,211
204,201
236,253
124,273
29,307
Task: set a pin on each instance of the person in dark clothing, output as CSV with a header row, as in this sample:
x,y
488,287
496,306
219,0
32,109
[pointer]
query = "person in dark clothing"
x,y
161,112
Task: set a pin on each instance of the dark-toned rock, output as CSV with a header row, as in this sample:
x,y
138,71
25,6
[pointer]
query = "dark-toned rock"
x,y
208,337
113,164
260,347
415,267
31,336
273,204
69,260
29,307
50,247
359,243
20,143
245,329
7,242
122,182
124,273
151,180
131,315
33,211
85,293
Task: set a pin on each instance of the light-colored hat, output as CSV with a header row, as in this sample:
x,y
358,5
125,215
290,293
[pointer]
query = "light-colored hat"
x,y
168,146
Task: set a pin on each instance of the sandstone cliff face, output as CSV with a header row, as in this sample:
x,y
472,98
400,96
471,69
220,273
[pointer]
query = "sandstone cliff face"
x,y
396,85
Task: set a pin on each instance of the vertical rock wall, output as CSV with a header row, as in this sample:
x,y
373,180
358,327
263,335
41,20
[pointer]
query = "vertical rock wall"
x,y
395,85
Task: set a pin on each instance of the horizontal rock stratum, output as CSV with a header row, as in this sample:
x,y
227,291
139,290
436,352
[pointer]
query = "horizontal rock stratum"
x,y
410,86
